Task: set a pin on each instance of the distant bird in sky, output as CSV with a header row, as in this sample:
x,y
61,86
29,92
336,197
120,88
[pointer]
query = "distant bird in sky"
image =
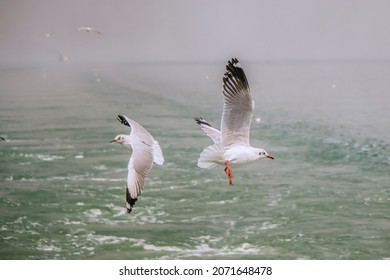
x,y
89,29
231,143
63,58
47,34
146,151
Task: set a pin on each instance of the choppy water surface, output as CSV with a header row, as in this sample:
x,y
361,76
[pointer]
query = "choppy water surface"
x,y
325,196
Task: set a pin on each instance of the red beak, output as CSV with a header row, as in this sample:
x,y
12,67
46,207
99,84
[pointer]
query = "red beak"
x,y
271,157
112,141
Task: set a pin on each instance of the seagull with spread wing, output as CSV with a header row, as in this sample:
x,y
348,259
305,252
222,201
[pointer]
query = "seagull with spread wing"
x,y
146,151
231,143
89,29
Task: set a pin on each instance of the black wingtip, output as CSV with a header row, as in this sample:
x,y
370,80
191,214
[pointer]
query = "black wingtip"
x,y
233,66
234,78
130,202
123,120
233,61
200,121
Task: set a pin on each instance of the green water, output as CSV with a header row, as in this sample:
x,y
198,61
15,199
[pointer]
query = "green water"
x,y
325,196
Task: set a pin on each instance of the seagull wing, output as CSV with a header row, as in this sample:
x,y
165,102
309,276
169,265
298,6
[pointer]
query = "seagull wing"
x,y
89,29
139,166
237,107
97,31
210,131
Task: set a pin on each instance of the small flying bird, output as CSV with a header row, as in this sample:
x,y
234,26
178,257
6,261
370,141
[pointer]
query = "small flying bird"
x,y
63,58
47,34
146,151
89,29
231,143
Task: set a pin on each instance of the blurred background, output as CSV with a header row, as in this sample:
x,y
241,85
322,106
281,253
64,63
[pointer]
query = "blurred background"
x,y
176,30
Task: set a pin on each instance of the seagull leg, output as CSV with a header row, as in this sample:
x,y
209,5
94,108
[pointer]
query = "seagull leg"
x,y
228,172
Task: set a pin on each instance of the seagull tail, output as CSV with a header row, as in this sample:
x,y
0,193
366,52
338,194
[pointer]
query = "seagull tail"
x,y
211,156
129,201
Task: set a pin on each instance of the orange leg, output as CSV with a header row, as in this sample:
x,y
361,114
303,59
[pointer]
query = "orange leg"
x,y
228,172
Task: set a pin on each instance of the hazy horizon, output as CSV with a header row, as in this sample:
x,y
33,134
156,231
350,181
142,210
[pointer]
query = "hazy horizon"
x,y
194,30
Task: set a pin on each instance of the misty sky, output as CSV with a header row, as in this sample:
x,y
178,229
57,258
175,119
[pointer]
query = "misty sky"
x,y
194,29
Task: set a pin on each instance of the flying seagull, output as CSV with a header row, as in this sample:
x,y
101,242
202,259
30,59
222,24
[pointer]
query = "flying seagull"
x,y
47,34
146,151
231,143
89,29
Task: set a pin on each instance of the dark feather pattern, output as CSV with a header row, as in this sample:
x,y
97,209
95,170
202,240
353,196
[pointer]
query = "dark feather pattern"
x,y
123,120
202,121
130,202
234,79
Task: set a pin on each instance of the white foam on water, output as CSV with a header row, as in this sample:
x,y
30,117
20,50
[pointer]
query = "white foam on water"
x,y
44,245
203,249
67,222
42,157
99,167
221,202
275,200
93,213
143,218
19,220
57,178
151,247
105,239
27,180
48,248
9,179
7,237
49,157
107,180
268,225
207,238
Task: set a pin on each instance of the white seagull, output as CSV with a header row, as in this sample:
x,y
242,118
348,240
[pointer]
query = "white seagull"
x,y
89,29
231,144
146,151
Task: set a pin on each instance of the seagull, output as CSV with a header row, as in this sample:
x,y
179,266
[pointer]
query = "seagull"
x,y
146,151
47,34
89,29
231,143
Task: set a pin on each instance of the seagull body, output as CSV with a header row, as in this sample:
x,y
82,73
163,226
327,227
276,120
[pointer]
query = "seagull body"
x,y
89,29
231,143
146,151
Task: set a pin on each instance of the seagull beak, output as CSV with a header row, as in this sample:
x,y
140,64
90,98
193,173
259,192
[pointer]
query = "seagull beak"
x,y
112,141
271,157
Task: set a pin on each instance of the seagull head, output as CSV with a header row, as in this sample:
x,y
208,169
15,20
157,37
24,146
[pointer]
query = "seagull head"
x,y
261,153
121,139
